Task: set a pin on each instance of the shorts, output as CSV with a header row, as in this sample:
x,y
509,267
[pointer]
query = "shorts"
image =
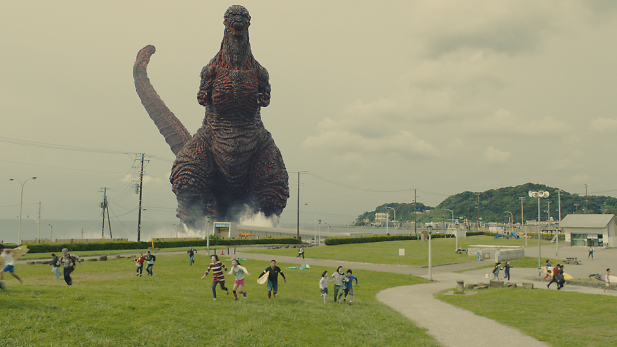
x,y
607,284
324,291
349,290
273,286
240,282
8,268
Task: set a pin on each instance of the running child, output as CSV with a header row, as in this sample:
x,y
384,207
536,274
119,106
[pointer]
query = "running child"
x,y
68,261
8,255
349,285
238,272
150,259
55,267
548,270
273,272
608,285
140,264
323,285
218,276
339,279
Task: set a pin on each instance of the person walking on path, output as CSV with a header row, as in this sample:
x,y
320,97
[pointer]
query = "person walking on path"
x,y
506,271
548,270
349,278
218,276
496,271
55,268
8,256
301,252
608,285
339,278
68,261
556,272
590,253
191,252
561,280
323,285
273,272
139,264
239,272
150,259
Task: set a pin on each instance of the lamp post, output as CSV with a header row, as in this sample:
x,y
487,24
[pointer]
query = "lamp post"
x,y
511,220
430,261
539,194
394,218
557,229
51,228
456,232
319,244
522,198
21,204
38,223
315,225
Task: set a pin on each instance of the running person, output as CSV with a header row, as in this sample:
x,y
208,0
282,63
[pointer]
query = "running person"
x,y
218,276
8,255
548,270
238,272
150,259
349,285
68,261
140,264
301,253
339,279
191,252
273,272
323,285
55,268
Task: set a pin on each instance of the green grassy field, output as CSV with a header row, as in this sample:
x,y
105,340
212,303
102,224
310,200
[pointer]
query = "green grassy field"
x,y
558,318
387,252
109,306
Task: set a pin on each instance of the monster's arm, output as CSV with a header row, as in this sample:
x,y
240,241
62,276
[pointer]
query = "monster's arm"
x,y
204,96
263,96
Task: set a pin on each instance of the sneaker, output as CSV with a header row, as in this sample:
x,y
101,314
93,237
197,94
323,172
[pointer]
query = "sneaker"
x,y
244,294
227,291
2,285
344,299
214,299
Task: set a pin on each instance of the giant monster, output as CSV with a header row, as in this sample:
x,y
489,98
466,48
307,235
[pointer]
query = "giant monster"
x,y
231,166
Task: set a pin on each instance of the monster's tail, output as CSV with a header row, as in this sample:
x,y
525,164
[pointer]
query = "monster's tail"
x,y
175,133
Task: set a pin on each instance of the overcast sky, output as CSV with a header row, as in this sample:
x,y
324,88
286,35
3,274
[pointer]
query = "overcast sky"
x,y
373,99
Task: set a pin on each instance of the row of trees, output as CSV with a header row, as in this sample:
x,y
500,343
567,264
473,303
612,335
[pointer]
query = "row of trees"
x,y
491,205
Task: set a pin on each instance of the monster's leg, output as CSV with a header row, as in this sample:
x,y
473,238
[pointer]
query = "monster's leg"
x,y
192,179
269,188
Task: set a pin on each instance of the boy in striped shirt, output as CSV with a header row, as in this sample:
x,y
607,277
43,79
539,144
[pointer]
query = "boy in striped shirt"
x,y
218,276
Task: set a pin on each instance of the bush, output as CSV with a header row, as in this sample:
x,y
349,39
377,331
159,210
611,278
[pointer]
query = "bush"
x,y
101,246
380,238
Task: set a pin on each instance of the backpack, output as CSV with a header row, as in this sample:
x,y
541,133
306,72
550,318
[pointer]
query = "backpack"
x,y
153,257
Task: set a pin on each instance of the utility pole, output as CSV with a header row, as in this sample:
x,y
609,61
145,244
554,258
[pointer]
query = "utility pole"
x,y
478,194
141,185
105,206
522,199
415,214
586,200
298,213
38,222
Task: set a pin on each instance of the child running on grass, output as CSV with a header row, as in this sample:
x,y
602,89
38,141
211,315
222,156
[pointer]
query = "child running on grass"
x,y
323,285
273,272
139,264
239,272
218,276
8,255
339,279
349,285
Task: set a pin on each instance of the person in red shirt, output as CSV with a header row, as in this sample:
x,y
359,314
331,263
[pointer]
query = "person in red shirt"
x,y
556,273
218,276
139,264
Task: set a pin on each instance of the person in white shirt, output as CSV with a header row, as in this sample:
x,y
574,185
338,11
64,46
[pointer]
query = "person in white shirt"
x,y
323,285
239,272
8,255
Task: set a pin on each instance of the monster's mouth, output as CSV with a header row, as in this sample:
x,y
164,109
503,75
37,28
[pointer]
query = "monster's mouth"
x,y
238,27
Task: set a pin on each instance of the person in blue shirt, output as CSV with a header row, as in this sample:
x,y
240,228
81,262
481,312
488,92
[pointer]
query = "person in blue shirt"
x,y
349,285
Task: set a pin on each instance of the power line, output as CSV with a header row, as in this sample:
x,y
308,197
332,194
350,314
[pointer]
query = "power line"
x,y
356,188
57,167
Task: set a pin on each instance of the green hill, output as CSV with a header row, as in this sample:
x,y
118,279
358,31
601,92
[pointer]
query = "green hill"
x,y
494,202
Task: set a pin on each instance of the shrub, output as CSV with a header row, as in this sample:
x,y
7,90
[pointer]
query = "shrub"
x,y
100,246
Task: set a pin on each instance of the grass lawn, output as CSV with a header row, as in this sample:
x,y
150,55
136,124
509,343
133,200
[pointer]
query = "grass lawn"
x,y
108,306
387,252
558,318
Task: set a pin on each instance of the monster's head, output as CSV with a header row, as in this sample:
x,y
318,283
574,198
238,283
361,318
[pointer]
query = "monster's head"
x,y
237,20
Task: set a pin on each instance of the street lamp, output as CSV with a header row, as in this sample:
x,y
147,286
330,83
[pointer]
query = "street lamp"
x,y
522,198
393,220
319,244
512,219
315,225
51,228
539,194
430,261
21,204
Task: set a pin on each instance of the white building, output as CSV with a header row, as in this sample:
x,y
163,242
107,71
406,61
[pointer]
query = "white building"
x,y
597,230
